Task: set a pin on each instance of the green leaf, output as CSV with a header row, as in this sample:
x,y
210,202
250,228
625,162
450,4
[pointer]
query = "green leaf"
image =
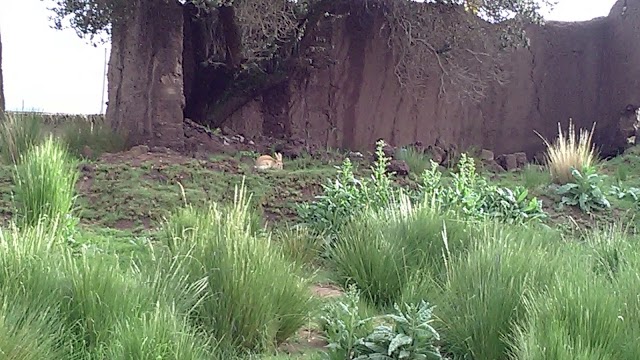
x,y
398,341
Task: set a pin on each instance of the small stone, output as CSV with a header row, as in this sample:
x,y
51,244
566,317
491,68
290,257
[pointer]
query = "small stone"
x,y
508,161
521,159
486,155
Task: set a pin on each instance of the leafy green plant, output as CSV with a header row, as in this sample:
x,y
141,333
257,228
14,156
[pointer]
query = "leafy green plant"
x,y
410,336
343,323
347,195
470,194
417,161
585,191
621,192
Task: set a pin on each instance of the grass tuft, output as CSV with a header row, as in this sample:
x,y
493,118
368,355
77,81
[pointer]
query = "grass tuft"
x,y
255,298
569,152
45,184
18,134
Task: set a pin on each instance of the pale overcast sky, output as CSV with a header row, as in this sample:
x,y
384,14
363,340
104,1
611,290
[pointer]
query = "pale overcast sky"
x,y
56,71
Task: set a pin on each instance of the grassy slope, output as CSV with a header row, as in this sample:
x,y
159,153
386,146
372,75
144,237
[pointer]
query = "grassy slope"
x,y
122,199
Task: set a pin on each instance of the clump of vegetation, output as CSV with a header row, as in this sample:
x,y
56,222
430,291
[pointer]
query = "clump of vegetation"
x,y
347,195
45,184
568,153
585,191
471,194
255,298
405,334
89,139
18,134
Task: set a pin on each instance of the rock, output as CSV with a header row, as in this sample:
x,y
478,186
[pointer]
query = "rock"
x,y
493,166
521,159
486,155
508,161
437,154
399,167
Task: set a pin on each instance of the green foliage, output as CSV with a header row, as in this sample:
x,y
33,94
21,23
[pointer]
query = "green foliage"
x,y
59,305
585,191
483,293
410,336
344,322
470,194
417,161
298,243
346,195
98,137
45,185
18,134
255,298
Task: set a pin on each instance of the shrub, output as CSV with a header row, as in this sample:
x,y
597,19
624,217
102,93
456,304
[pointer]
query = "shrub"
x,y
97,136
255,298
568,153
18,134
45,185
346,195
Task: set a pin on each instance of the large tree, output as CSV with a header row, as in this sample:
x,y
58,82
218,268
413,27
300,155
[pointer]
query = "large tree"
x,y
243,44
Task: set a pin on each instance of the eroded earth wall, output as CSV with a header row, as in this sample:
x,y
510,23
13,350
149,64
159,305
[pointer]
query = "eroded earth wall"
x,y
587,71
146,89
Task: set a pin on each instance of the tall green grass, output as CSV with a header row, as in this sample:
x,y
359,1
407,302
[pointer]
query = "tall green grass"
x,y
82,306
45,183
255,298
18,134
97,136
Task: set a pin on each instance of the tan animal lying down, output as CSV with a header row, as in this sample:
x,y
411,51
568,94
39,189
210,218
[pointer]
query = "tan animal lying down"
x,y
266,162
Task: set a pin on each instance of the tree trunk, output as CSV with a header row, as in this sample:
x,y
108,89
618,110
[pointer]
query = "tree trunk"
x,y
145,77
1,82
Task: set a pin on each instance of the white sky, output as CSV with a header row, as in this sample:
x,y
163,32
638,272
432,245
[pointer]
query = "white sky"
x,y
56,71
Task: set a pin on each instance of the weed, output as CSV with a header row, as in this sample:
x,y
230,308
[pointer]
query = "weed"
x,y
346,195
409,336
344,323
585,191
471,195
568,153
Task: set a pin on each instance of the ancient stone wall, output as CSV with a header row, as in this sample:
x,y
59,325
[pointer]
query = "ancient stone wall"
x,y
587,71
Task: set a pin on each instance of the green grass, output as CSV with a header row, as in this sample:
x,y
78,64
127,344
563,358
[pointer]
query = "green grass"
x,y
45,184
156,272
255,297
18,134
